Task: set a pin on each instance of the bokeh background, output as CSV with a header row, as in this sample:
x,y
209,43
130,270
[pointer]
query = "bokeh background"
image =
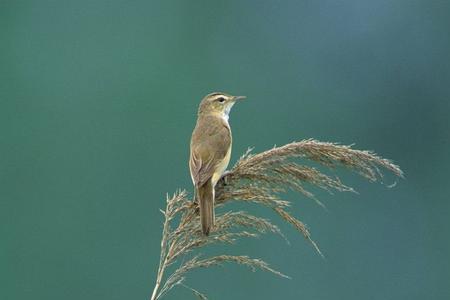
x,y
98,100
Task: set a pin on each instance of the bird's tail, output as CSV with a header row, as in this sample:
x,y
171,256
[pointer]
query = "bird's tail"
x,y
205,197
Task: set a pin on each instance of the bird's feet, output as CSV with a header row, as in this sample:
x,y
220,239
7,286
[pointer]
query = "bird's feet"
x,y
224,178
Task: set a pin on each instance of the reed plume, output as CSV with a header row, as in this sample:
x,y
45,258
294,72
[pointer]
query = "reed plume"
x,y
259,178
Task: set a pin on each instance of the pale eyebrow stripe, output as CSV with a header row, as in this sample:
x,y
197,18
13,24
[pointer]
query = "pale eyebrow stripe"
x,y
216,96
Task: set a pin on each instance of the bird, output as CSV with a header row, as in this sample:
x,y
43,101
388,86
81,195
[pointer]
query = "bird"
x,y
210,151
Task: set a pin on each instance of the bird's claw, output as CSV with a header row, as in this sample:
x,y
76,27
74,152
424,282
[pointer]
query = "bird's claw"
x,y
224,178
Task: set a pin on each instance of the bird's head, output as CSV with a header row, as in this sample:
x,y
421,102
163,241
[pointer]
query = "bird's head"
x,y
218,103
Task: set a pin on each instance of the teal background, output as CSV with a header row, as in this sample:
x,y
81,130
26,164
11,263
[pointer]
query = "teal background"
x,y
98,100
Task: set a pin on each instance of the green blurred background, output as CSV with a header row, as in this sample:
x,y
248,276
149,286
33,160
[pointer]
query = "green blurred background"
x,y
98,100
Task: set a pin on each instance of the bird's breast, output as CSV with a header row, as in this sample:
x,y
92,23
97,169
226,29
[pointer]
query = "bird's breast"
x,y
221,167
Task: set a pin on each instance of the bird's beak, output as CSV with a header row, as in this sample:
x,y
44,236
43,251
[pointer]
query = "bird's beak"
x,y
236,98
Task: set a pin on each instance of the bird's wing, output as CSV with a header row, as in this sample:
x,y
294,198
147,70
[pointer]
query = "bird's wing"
x,y
208,149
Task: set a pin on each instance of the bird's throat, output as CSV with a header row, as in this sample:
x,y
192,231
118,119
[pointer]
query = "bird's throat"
x,y
225,116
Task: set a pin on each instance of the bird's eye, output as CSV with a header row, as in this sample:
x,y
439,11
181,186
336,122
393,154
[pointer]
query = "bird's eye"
x,y
221,99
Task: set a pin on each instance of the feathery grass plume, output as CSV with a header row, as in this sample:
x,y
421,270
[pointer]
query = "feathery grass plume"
x,y
258,178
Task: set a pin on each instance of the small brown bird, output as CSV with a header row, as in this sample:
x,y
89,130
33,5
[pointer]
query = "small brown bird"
x,y
210,151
